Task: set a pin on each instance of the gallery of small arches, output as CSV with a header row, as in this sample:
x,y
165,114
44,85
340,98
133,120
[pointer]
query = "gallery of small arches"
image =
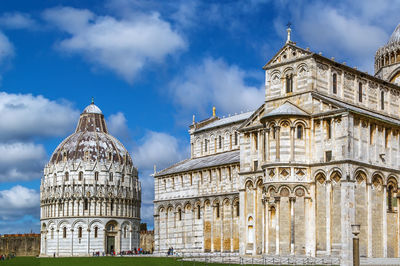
x,y
83,237
308,218
209,225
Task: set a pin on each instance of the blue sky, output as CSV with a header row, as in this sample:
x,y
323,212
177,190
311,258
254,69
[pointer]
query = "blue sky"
x,y
150,65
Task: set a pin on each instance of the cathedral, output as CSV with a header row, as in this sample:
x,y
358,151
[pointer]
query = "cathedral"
x,y
90,194
322,153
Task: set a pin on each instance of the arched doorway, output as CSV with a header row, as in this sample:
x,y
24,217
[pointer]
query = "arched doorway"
x,y
111,236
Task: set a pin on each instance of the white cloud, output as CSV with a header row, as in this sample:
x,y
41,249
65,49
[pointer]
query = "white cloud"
x,y
117,126
17,20
214,82
21,161
347,30
24,116
162,150
158,148
6,48
123,46
18,202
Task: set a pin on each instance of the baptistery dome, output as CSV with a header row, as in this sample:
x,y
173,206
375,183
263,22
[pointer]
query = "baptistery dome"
x,y
387,59
90,193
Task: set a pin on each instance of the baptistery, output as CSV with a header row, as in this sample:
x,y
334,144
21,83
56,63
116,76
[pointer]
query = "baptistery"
x,y
90,193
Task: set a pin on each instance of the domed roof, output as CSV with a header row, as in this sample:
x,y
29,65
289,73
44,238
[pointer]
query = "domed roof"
x,y
92,109
395,38
91,141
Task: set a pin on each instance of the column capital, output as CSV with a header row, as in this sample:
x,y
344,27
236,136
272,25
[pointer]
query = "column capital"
x,y
277,199
292,199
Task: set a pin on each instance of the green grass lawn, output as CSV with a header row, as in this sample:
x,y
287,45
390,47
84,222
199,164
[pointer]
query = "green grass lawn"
x,y
99,261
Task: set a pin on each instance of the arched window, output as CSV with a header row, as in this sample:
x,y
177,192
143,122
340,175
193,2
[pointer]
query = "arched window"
x,y
360,92
80,232
236,138
289,83
96,176
66,176
111,177
86,204
237,209
180,214
217,209
205,145
389,198
382,100
334,83
198,212
65,232
122,178
112,205
80,177
96,229
328,128
299,131
273,129
125,232
52,233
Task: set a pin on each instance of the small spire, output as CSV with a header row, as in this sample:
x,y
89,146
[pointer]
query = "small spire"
x,y
289,30
194,122
155,169
92,100
214,110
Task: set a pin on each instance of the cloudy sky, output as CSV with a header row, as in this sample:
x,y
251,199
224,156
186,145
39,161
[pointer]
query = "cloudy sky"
x,y
150,65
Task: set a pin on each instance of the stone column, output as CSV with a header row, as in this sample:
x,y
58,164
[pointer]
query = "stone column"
x,y
88,240
277,203
58,242
72,242
268,139
328,216
120,240
292,200
369,220
242,222
266,227
384,221
347,200
263,145
277,139
398,225
292,133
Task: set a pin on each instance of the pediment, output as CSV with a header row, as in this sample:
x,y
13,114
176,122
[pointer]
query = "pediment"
x,y
254,119
288,52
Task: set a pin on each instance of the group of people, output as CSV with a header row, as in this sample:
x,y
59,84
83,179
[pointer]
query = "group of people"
x,y
170,251
135,251
6,257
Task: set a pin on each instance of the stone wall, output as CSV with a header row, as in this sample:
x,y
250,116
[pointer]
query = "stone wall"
x,y
147,241
20,244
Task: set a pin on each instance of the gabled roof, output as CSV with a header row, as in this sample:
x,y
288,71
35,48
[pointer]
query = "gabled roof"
x,y
226,121
286,109
355,109
288,45
202,162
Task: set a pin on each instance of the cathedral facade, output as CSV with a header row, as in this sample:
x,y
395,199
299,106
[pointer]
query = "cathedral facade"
x,y
320,154
90,194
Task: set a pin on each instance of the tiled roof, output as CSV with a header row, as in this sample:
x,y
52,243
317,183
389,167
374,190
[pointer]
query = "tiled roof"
x,y
358,109
202,162
286,109
227,120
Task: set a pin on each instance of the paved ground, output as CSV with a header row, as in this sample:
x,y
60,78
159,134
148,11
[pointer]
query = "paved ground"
x,y
380,261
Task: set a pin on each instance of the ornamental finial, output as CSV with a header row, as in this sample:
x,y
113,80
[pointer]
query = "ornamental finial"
x,y
214,110
289,30
92,100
